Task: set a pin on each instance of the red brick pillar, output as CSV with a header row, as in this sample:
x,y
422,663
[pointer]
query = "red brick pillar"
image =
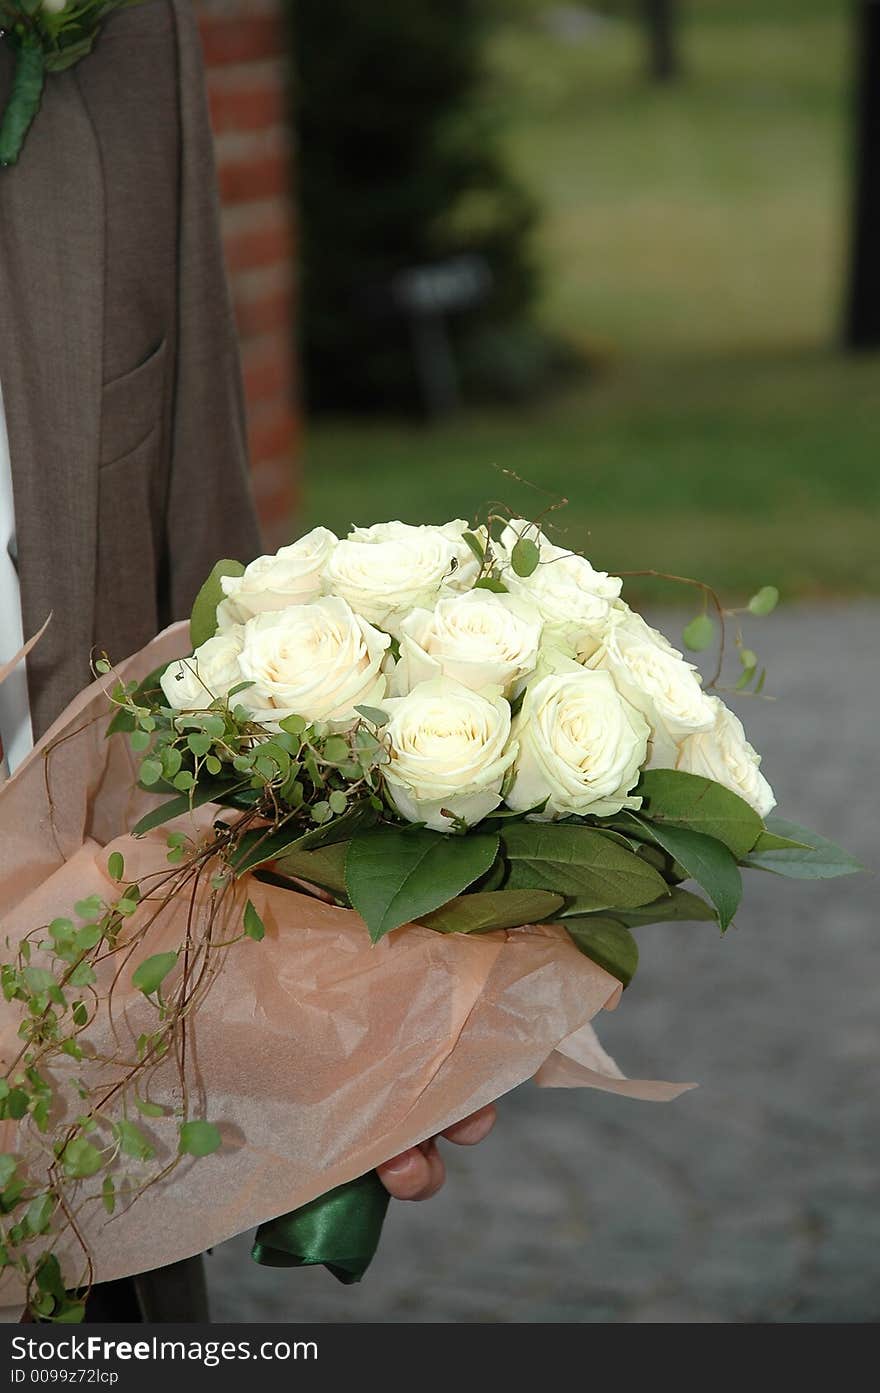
x,y
244,43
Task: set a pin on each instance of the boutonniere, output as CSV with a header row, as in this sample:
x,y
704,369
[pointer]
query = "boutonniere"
x,y
49,36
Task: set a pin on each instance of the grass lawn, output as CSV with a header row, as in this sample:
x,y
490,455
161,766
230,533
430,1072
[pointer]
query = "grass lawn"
x,y
693,245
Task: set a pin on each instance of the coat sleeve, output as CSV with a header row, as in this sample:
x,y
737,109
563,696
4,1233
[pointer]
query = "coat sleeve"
x,y
210,509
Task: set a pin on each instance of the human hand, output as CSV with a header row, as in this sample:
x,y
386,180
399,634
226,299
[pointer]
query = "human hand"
x,y
419,1172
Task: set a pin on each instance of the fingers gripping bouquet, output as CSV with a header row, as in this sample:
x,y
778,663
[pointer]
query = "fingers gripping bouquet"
x,y
440,775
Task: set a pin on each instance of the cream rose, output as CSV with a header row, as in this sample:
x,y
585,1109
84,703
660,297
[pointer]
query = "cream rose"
x,y
291,577
725,755
572,598
450,750
479,639
318,661
192,684
658,681
581,746
389,569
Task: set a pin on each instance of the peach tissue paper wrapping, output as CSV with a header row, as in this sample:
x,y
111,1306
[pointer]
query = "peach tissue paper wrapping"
x,y
317,1054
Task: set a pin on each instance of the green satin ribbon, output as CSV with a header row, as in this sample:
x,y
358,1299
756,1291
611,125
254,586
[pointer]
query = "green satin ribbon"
x,y
340,1229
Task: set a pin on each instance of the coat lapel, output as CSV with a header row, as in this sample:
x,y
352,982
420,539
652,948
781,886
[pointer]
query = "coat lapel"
x,y
52,232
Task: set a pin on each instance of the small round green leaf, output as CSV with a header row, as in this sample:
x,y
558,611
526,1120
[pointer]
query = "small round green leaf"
x,y
150,974
253,924
699,633
525,557
199,1138
151,772
81,1159
116,865
764,601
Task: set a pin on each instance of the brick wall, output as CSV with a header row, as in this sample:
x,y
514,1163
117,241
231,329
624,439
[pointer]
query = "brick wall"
x,y
244,45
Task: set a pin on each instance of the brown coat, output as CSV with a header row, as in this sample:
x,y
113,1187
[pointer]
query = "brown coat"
x,y
118,357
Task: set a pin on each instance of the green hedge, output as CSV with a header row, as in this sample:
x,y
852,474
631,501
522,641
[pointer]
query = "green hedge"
x,y
398,165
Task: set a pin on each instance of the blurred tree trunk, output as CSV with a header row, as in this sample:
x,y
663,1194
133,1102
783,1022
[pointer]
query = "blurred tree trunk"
x,y
660,22
862,326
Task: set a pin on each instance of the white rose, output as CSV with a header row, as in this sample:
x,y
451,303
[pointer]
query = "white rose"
x,y
291,577
572,598
386,570
450,750
318,661
479,639
192,684
657,680
725,755
581,745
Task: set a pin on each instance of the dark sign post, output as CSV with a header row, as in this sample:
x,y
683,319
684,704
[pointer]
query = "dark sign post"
x,y
427,295
862,325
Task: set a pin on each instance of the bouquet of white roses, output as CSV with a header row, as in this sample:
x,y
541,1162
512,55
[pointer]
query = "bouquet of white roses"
x,y
455,733
479,725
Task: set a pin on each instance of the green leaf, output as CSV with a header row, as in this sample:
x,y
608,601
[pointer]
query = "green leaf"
x,y
16,1104
608,943
83,975
38,979
199,743
789,850
147,1108
394,876
491,583
70,1312
207,791
708,862
324,867
39,1212
493,909
150,772
701,805
257,847
524,557
580,863
116,865
335,750
373,714
48,1277
680,906
89,907
764,601
203,620
699,633
199,1138
108,1194
253,924
149,975
8,1167
81,1159
475,545
133,1142
88,937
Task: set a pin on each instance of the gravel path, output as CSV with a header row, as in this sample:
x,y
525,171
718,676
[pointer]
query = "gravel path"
x,y
755,1198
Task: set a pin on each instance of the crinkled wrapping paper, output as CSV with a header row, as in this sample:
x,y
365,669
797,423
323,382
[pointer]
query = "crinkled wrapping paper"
x,y
317,1054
